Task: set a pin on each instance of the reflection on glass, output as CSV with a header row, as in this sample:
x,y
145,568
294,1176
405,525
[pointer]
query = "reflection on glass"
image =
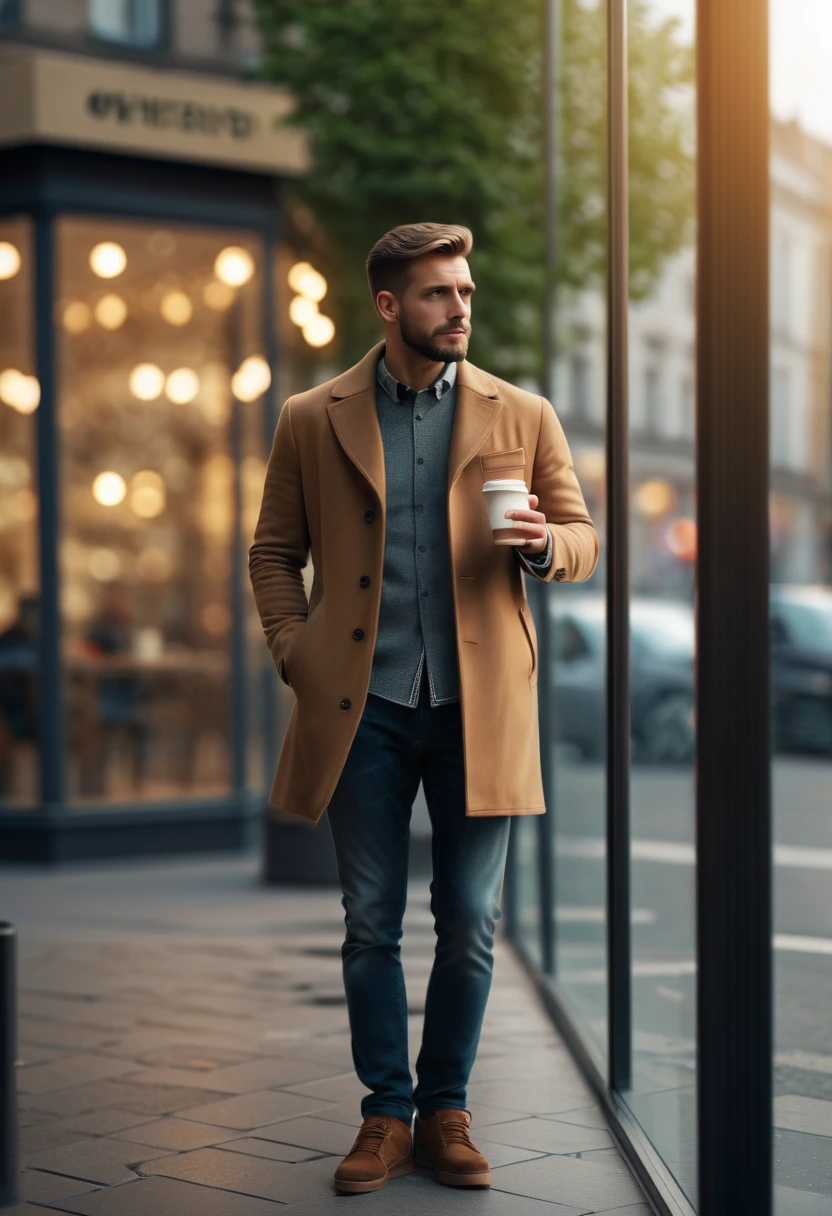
x,y
578,615
148,504
19,575
525,841
662,579
800,516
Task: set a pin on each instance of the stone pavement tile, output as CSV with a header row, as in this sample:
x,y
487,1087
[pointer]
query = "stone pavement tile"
x,y
47,1135
793,1202
25,1209
39,1187
104,1122
487,1116
44,1032
344,1088
568,1181
246,1175
254,1109
271,1149
264,1073
192,1056
581,1116
800,1114
73,1070
605,1158
104,1161
804,1161
320,1135
142,1099
418,1194
531,1065
31,1118
168,1197
543,1096
504,1154
177,1135
547,1136
635,1209
346,1113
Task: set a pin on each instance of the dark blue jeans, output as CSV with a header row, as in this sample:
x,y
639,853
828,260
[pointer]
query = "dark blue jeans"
x,y
394,748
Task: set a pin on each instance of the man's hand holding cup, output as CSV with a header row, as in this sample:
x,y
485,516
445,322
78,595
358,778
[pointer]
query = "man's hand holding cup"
x,y
513,518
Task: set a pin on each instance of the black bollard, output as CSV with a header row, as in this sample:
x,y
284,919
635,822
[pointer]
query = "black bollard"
x,y
8,1055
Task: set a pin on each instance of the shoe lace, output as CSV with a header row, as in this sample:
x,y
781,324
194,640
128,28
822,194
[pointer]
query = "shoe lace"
x,y
456,1131
371,1136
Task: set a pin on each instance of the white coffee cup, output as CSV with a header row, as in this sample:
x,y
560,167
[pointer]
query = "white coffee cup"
x,y
506,494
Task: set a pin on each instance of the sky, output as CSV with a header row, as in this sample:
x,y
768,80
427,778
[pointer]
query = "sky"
x,y
800,58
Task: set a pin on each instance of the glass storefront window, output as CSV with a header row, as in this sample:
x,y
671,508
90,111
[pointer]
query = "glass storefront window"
x,y
800,522
662,542
132,22
578,685
19,552
160,354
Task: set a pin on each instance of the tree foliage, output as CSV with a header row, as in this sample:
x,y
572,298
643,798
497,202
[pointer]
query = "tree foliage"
x,y
421,110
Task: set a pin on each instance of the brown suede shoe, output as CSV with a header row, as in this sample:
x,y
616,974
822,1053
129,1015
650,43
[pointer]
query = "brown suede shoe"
x,y
383,1149
443,1144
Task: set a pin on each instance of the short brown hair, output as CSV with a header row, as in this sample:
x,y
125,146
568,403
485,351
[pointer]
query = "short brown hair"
x,y
388,260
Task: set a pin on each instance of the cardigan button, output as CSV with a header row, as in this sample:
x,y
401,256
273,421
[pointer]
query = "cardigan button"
x,y
364,581
358,634
346,703
369,516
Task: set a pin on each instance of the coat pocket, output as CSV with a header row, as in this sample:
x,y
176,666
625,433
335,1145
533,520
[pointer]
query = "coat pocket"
x,y
531,638
510,463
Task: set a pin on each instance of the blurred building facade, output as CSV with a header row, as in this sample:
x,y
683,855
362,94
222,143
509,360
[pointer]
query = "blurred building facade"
x,y
140,173
662,348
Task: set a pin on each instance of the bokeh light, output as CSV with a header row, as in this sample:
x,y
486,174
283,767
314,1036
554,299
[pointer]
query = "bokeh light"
x,y
319,331
147,381
76,317
147,494
302,311
104,564
109,488
655,498
107,260
9,260
251,379
182,386
111,311
218,296
306,281
176,308
234,266
20,391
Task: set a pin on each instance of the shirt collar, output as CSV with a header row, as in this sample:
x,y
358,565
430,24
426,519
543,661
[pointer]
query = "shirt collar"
x,y
444,381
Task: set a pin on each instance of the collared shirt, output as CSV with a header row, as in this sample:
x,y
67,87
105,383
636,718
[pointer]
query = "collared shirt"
x,y
403,393
416,628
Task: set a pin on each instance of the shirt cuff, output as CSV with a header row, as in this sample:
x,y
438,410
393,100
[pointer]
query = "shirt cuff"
x,y
538,564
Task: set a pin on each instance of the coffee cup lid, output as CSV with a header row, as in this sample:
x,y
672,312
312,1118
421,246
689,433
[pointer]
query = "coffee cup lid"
x,y
505,483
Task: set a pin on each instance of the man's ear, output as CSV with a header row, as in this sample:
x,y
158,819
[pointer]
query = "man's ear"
x,y
387,307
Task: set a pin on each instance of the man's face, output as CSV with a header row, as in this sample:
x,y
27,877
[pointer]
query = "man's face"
x,y
434,308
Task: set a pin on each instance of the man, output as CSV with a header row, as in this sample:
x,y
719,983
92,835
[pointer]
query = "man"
x,y
414,659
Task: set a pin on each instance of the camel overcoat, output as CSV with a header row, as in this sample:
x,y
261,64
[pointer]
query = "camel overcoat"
x,y
325,492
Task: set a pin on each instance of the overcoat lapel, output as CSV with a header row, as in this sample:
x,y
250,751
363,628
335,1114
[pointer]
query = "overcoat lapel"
x,y
354,418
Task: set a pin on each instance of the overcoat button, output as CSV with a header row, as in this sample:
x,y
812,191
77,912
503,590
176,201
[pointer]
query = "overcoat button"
x,y
346,703
369,516
358,634
364,581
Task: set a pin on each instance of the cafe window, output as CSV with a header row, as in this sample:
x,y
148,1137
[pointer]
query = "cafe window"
x,y
19,575
130,22
161,380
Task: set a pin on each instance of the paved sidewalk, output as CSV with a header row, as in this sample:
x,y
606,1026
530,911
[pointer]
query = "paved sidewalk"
x,y
185,1050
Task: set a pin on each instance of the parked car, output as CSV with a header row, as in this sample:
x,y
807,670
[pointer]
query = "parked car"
x,y
801,668
662,726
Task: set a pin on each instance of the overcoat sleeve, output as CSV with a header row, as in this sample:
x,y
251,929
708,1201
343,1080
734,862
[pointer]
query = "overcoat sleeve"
x,y
575,541
281,545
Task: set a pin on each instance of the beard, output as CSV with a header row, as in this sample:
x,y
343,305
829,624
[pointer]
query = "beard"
x,y
431,345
